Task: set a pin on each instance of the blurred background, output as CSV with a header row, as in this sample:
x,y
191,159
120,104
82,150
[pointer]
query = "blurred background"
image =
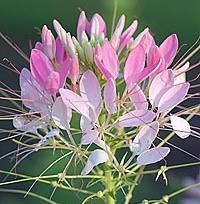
x,y
20,20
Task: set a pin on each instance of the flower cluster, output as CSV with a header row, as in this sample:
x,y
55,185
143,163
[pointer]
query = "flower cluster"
x,y
122,88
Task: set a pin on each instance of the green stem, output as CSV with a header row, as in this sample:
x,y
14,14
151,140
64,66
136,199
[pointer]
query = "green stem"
x,y
30,194
109,185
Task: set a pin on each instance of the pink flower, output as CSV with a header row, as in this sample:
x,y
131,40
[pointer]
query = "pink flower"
x,y
49,62
106,60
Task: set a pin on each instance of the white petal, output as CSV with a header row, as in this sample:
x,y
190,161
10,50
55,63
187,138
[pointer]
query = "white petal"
x,y
153,155
98,156
61,114
110,96
89,137
144,138
180,126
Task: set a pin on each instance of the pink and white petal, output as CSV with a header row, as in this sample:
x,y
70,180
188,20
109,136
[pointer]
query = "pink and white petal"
x,y
89,137
159,85
144,138
180,126
90,90
137,97
75,102
173,97
97,157
82,25
180,74
61,114
169,49
110,96
153,155
32,94
136,118
134,64
101,25
115,39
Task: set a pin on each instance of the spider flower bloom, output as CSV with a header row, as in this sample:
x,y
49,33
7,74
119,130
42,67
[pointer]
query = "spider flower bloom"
x,y
164,95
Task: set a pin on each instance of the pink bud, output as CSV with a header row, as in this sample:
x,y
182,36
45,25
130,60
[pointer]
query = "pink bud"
x,y
96,26
127,34
82,25
48,41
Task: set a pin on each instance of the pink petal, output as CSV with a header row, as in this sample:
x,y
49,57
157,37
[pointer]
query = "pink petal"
x,y
137,97
40,66
61,114
153,155
52,83
169,49
110,96
97,157
110,59
153,65
136,118
74,69
90,90
180,126
159,85
173,97
134,64
106,60
75,102
144,138
127,34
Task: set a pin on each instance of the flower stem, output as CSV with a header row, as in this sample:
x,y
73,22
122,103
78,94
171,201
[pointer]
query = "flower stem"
x,y
109,185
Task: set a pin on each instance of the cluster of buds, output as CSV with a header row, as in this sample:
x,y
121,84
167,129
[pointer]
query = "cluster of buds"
x,y
115,84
